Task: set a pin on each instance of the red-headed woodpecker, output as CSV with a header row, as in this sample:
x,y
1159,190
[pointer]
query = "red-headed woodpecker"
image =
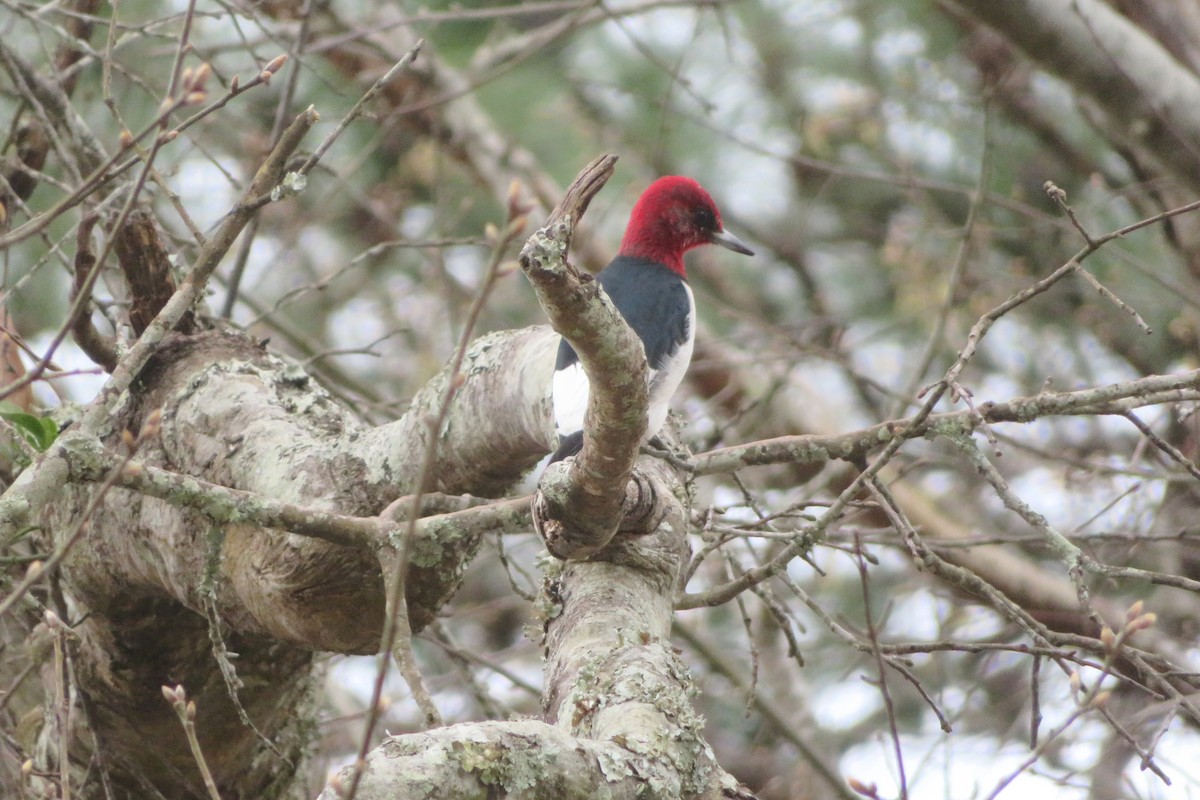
x,y
648,284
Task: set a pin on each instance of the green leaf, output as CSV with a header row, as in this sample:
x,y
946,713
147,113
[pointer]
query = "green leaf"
x,y
39,432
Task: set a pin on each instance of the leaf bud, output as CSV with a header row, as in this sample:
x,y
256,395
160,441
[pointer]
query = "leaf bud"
x,y
151,425
865,789
1134,611
200,76
1108,638
1143,622
275,63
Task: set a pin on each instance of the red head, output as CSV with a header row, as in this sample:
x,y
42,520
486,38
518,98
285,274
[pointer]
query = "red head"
x,y
671,217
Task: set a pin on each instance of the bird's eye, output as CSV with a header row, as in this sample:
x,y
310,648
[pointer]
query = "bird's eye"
x,y
704,219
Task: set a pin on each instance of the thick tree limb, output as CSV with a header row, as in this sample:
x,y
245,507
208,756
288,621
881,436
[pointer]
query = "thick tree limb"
x,y
233,415
619,720
44,478
144,577
579,503
237,417
1151,101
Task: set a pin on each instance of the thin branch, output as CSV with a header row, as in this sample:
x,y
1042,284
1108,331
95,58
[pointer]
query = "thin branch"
x,y
186,711
397,630
980,329
113,167
1115,399
797,735
1042,747
1166,447
873,639
88,460
1067,551
356,111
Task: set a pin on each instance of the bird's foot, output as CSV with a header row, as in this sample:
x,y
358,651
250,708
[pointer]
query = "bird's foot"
x,y
675,456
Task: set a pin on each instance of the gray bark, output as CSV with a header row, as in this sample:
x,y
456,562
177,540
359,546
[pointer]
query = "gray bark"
x,y
140,580
1150,102
171,575
619,721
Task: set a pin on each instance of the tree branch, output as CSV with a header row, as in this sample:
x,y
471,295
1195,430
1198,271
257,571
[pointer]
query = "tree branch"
x,y
99,348
16,504
616,698
1116,399
1150,99
579,503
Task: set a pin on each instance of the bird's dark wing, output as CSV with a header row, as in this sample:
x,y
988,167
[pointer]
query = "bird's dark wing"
x,y
657,305
653,300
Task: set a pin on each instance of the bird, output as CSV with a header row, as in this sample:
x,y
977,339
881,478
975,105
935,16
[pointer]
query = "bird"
x,y
647,283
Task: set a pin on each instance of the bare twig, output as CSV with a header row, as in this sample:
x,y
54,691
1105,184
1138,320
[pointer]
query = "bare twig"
x,y
1042,747
1166,447
873,639
98,347
800,738
1067,551
397,632
1060,199
1111,296
186,711
1035,701
1042,636
113,167
356,111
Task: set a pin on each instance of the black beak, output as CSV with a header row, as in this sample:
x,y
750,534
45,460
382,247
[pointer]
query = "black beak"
x,y
730,242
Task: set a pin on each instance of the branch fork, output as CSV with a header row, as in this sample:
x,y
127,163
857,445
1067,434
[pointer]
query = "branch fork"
x,y
639,510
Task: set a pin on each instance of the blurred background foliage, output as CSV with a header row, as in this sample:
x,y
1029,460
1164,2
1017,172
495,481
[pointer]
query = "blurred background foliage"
x,y
886,160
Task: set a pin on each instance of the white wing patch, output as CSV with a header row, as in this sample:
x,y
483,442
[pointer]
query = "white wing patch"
x,y
570,386
570,390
